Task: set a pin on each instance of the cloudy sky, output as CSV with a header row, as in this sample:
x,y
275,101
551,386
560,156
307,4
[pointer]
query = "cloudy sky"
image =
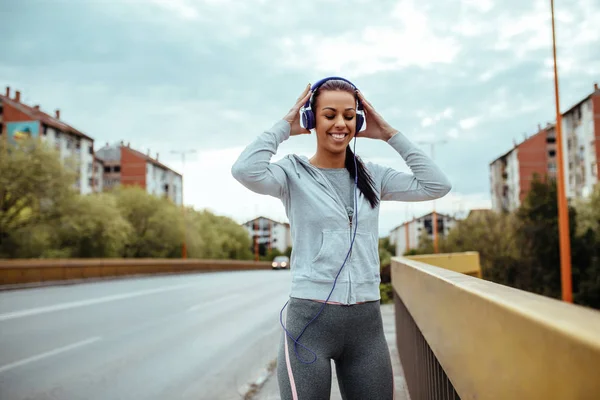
x,y
471,76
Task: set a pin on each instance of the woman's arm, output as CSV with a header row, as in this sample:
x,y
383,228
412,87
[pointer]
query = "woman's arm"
x,y
254,169
427,181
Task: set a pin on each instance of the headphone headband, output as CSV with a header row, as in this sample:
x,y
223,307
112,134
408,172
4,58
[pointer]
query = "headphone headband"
x,y
318,84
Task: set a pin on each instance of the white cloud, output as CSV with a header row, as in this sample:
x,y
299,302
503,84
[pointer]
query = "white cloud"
x,y
405,39
482,6
432,120
469,123
183,8
453,133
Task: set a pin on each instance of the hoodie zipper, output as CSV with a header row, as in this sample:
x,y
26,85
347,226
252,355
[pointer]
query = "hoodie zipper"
x,y
350,217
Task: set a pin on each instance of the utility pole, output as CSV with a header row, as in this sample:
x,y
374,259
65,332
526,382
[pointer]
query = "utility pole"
x,y
432,144
563,213
183,153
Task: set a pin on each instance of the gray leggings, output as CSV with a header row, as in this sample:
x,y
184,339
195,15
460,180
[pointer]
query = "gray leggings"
x,y
351,336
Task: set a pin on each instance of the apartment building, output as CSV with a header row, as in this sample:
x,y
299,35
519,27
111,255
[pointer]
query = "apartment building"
x,y
511,173
581,143
272,234
406,236
18,120
125,166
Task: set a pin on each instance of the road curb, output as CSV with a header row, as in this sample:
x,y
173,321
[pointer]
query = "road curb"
x,y
253,388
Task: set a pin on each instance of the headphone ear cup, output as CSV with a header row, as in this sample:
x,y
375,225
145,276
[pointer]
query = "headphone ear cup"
x,y
360,122
310,119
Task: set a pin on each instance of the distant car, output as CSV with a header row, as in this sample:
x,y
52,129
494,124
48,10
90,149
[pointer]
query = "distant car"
x,y
281,262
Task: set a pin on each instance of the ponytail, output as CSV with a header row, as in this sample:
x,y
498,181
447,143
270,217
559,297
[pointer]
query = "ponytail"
x,y
365,182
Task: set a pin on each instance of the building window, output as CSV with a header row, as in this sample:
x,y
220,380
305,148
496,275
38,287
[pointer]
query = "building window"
x,y
90,168
107,169
552,167
91,149
552,153
91,182
117,168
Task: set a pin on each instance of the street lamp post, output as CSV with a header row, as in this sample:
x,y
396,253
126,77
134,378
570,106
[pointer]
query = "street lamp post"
x,y
184,243
563,213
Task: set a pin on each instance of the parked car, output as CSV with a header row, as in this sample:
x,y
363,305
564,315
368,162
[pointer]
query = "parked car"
x,y
281,262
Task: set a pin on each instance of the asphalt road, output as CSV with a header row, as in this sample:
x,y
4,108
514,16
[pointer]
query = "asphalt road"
x,y
201,336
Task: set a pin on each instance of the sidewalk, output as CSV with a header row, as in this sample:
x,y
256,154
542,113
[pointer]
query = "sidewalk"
x,y
270,390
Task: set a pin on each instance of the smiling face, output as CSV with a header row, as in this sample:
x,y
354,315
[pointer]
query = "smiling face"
x,y
335,117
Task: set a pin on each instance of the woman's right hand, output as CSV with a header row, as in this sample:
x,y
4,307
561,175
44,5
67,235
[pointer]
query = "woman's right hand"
x,y
293,116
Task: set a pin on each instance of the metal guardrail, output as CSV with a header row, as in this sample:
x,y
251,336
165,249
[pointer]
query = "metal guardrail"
x,y
464,337
425,377
29,271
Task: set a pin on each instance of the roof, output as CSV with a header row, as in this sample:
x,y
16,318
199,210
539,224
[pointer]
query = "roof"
x,y
269,219
44,118
516,145
596,92
480,211
150,159
580,102
422,216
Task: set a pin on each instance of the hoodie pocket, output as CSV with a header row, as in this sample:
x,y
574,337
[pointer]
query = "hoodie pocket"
x,y
364,259
331,255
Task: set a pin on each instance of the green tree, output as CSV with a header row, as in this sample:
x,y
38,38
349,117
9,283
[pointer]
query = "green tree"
x,y
586,251
216,237
492,235
157,223
539,240
92,226
34,186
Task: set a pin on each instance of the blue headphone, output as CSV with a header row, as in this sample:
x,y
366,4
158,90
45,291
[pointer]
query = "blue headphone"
x,y
307,115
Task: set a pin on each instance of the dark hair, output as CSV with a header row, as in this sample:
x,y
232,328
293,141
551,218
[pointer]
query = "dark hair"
x,y
365,182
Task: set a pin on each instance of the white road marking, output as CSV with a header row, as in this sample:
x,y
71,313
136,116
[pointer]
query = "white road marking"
x,y
82,303
49,354
213,302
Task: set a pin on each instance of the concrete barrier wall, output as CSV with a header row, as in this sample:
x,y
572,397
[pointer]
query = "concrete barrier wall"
x,y
466,262
494,341
15,272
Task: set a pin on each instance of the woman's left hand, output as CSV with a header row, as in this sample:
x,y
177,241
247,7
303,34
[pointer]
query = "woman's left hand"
x,y
377,128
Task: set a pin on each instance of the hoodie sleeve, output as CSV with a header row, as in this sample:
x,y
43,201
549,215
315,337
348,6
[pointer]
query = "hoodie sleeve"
x,y
427,181
254,169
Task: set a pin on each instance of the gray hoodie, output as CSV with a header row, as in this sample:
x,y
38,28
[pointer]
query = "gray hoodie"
x,y
321,227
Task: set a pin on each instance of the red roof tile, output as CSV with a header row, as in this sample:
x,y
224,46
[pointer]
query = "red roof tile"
x,y
44,118
151,160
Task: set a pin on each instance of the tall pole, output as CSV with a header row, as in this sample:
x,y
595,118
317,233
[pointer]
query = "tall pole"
x,y
184,239
434,213
563,213
256,240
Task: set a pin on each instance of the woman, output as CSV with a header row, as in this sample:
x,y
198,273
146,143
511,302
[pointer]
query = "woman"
x,y
334,216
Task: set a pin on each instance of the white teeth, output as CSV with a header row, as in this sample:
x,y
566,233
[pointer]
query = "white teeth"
x,y
338,136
